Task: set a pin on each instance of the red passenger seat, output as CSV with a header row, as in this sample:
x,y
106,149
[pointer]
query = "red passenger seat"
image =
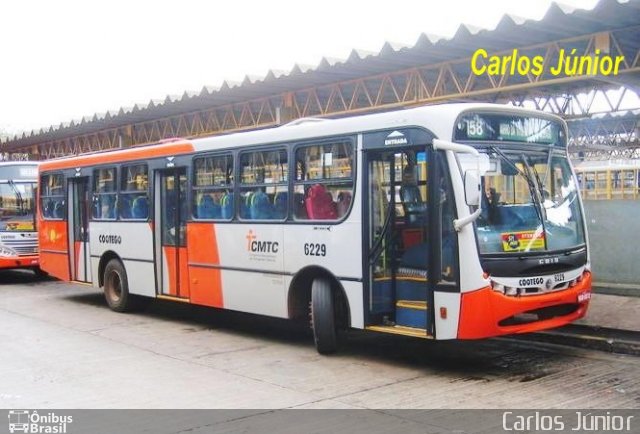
x,y
320,204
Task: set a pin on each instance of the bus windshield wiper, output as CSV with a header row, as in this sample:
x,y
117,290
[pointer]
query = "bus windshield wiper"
x,y
527,177
18,196
539,194
548,174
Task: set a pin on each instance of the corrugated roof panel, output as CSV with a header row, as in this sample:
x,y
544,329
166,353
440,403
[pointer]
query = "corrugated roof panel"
x,y
559,22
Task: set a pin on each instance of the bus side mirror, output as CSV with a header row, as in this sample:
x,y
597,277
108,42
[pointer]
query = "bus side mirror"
x,y
472,187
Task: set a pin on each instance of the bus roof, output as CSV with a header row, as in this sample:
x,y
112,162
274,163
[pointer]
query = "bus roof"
x,y
25,171
19,163
439,119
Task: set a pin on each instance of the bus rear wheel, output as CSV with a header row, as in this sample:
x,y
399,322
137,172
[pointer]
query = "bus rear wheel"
x,y
116,287
323,318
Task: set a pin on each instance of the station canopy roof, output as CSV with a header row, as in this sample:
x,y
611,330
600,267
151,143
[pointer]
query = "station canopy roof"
x,y
559,22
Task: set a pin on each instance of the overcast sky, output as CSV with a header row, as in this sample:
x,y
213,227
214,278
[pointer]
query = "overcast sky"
x,y
64,59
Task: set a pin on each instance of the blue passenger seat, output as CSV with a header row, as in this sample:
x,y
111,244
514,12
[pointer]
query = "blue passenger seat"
x,y
260,207
208,209
140,208
280,205
226,207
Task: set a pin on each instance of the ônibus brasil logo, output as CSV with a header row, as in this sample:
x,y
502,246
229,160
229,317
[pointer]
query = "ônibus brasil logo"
x,y
30,421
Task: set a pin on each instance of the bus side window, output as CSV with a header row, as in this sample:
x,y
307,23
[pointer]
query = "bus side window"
x,y
323,180
133,201
212,183
104,194
264,185
52,196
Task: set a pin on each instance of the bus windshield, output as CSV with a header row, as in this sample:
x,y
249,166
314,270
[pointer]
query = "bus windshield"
x,y
16,206
530,203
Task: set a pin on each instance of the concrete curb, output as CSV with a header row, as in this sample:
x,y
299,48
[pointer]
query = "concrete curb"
x,y
620,289
590,337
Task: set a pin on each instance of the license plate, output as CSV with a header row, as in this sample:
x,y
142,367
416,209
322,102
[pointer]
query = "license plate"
x,y
584,296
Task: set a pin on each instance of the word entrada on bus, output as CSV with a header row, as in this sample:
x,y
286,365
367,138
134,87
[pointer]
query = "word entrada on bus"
x,y
458,221
18,238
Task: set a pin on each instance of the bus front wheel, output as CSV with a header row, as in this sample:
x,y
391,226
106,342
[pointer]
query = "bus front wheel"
x,y
39,272
116,287
323,316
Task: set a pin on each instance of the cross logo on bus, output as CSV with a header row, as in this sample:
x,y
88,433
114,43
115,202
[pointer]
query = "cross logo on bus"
x,y
250,238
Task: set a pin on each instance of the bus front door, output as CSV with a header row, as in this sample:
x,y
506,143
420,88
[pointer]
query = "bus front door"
x,y
80,259
170,233
397,240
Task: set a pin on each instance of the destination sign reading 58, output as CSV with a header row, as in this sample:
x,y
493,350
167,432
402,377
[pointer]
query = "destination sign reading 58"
x,y
509,128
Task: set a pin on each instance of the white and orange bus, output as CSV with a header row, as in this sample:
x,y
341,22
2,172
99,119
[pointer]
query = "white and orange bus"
x,y
18,238
458,221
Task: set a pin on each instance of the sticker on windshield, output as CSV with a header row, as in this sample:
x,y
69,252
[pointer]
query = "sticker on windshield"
x,y
523,241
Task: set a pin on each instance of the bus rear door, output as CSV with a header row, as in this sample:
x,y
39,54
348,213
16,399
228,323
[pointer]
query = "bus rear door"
x,y
78,230
170,232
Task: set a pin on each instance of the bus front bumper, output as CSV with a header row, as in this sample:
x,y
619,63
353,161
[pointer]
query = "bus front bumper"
x,y
486,313
19,262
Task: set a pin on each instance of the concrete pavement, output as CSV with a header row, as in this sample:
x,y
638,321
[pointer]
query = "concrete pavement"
x,y
613,312
612,324
63,348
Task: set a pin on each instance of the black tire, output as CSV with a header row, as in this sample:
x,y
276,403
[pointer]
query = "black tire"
x,y
116,287
39,272
323,318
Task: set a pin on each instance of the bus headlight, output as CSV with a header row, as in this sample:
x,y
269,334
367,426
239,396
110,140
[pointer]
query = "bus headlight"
x,y
503,289
497,287
510,290
6,251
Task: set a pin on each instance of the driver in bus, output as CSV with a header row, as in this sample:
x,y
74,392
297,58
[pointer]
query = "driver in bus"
x,y
412,203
